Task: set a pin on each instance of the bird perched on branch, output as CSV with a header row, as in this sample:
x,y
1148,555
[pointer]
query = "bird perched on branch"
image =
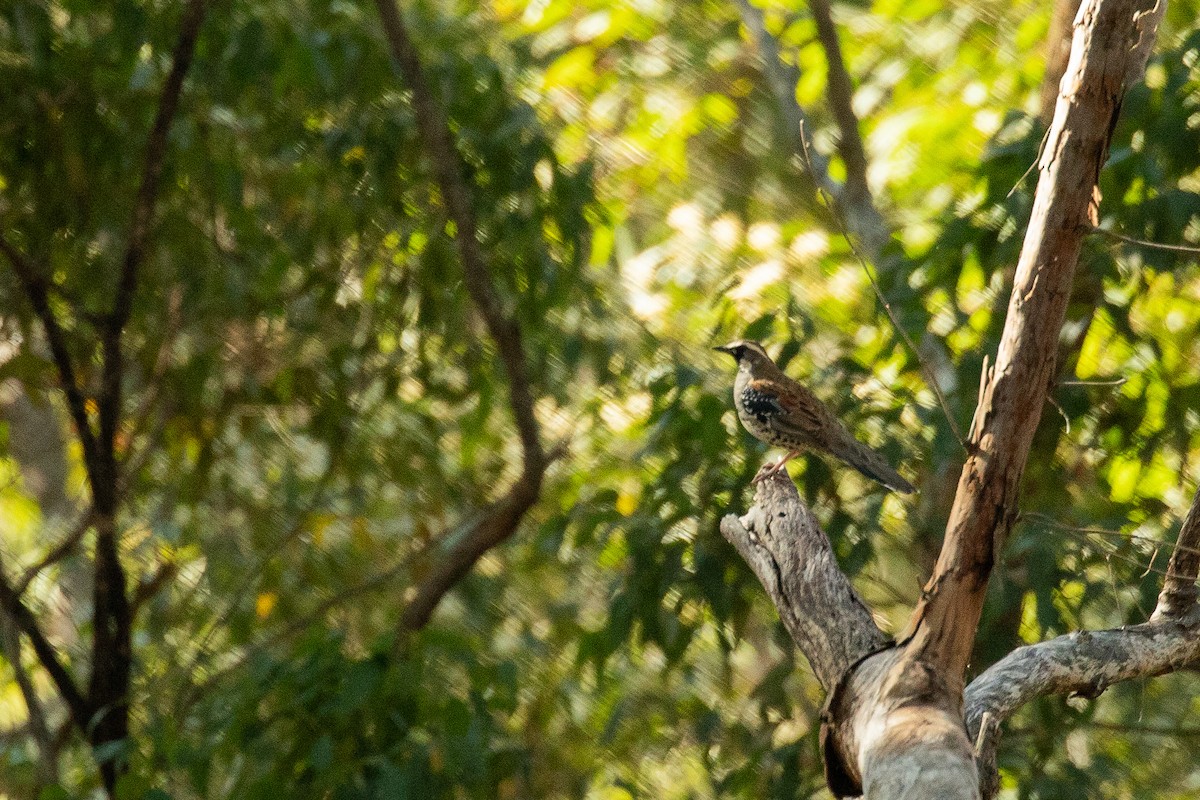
x,y
782,413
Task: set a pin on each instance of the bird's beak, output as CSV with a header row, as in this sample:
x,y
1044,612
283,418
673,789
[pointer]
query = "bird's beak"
x,y
724,348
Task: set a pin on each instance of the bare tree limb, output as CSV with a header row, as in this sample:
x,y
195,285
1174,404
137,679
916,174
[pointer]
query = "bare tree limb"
x,y
1178,596
1083,663
942,628
781,541
502,519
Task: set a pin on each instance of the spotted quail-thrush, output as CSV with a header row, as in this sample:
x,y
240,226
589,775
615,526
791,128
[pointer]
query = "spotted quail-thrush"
x,y
782,413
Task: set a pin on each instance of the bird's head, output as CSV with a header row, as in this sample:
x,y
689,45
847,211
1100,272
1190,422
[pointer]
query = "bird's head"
x,y
749,354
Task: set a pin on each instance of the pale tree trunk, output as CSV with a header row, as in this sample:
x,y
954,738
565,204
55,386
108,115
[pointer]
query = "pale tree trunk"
x,y
895,725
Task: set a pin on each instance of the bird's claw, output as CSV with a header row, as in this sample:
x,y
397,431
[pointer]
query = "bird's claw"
x,y
765,471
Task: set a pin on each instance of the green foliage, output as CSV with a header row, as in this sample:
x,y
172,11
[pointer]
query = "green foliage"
x,y
313,401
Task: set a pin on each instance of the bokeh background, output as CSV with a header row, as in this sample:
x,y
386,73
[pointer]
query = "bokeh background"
x,y
314,405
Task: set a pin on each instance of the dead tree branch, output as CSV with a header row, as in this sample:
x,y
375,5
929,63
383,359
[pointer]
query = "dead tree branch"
x,y
1082,663
781,541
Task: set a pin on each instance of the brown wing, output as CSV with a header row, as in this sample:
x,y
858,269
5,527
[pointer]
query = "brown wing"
x,y
802,414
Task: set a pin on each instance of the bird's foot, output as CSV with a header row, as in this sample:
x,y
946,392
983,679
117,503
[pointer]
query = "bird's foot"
x,y
766,471
774,468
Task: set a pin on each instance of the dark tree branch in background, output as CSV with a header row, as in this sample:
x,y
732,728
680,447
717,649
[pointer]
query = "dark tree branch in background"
x,y
35,288
109,401
502,519
107,694
782,78
112,614
20,615
1178,596
855,202
852,199
495,525
10,637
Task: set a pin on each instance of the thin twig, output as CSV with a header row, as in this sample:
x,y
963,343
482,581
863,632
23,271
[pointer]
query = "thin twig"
x,y
1061,413
1033,516
1031,167
1113,382
1174,248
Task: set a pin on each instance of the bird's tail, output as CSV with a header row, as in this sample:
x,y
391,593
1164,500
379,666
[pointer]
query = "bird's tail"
x,y
871,464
